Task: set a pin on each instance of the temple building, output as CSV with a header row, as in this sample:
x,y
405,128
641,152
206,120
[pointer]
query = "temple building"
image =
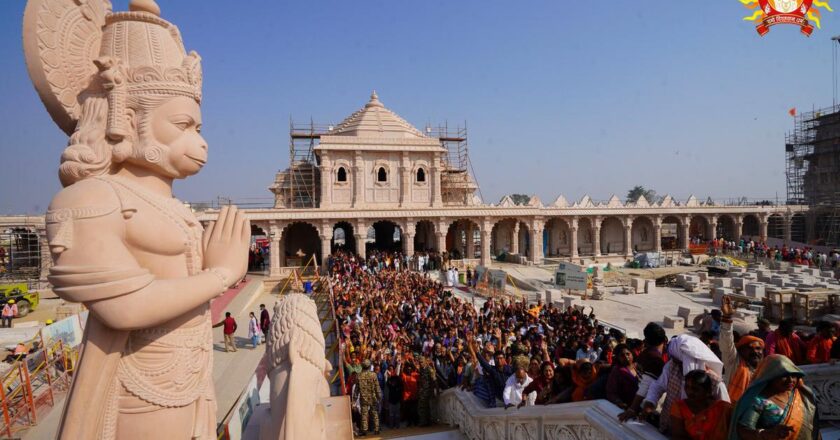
x,y
374,181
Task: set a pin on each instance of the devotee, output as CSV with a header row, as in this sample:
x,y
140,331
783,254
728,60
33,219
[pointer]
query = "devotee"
x,y
513,393
776,405
686,353
623,380
739,359
785,342
547,388
819,347
650,362
228,331
265,320
700,416
253,329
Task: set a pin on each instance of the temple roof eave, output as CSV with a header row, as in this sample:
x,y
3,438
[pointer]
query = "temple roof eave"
x,y
497,211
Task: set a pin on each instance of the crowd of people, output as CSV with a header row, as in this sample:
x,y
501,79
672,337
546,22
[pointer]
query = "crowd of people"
x,y
751,249
405,337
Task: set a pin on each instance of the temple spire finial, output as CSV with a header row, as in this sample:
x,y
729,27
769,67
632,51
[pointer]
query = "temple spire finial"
x,y
374,100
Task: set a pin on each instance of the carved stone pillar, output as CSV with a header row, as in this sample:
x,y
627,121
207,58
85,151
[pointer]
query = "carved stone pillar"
x,y
326,180
360,245
596,236
573,238
276,253
486,236
470,252
657,234
436,188
536,245
713,227
358,180
628,238
514,239
407,237
762,231
686,233
326,244
739,229
441,241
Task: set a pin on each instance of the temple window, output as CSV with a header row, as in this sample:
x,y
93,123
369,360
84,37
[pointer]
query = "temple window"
x,y
381,175
421,175
342,174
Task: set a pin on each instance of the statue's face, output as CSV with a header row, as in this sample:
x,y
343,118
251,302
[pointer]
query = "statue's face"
x,y
176,127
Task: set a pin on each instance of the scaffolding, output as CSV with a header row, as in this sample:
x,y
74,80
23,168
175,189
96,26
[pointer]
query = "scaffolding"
x,y
20,255
458,181
812,159
299,185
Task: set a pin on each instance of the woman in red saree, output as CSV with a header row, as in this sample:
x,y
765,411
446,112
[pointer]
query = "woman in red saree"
x,y
700,416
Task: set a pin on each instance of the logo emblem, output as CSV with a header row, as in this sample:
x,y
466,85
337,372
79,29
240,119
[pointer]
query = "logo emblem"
x,y
796,12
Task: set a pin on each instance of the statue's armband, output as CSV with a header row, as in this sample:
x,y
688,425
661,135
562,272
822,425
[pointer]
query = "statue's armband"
x,y
60,223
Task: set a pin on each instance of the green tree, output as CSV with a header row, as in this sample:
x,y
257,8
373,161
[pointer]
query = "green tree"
x,y
638,191
520,199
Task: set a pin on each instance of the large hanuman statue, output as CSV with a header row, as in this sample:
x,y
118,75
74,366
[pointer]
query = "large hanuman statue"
x,y
123,88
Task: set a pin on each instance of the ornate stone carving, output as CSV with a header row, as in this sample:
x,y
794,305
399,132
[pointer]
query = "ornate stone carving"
x,y
126,89
824,379
296,369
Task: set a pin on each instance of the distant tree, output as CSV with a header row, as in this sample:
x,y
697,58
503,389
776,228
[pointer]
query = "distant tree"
x,y
520,199
638,191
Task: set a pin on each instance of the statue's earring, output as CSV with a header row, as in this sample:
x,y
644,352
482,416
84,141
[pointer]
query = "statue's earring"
x,y
153,154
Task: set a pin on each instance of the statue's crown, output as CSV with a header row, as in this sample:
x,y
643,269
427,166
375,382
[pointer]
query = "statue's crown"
x,y
148,53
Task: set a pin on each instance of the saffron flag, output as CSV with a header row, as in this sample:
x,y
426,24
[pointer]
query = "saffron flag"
x,y
792,111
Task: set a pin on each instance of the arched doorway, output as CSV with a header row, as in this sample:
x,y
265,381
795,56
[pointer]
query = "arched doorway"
x,y
726,228
424,236
558,240
585,237
699,228
301,243
612,236
259,251
463,239
776,226
384,235
751,228
671,233
642,235
343,238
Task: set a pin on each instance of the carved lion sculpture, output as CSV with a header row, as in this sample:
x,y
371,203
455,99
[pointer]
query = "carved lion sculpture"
x,y
296,369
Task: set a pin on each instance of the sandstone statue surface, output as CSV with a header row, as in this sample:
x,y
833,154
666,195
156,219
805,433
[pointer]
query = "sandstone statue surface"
x,y
121,85
296,369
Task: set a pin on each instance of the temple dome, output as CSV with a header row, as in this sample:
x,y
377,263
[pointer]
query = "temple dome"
x,y
374,120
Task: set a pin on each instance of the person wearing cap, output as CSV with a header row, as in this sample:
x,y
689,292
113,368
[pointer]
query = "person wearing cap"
x,y
10,311
369,396
739,359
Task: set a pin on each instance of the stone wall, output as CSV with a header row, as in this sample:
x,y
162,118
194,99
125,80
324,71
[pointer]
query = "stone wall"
x,y
592,420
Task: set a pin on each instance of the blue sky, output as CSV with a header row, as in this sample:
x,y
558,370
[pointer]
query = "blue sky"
x,y
560,97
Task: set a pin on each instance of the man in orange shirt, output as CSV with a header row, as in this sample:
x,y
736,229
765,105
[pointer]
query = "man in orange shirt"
x,y
819,347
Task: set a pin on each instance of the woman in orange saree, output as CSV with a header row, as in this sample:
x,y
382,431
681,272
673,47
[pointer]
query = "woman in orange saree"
x,y
700,416
776,405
